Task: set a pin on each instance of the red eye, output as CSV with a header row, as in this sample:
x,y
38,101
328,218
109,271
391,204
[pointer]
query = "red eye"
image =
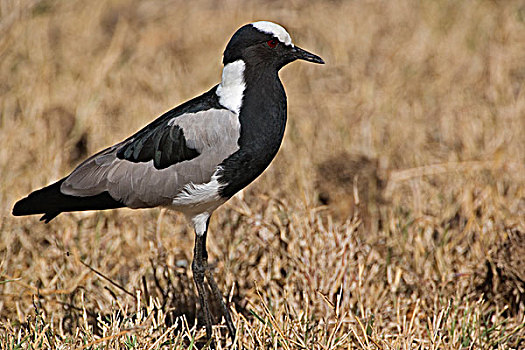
x,y
272,43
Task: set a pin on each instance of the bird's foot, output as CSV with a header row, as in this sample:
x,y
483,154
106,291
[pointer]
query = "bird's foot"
x,y
224,307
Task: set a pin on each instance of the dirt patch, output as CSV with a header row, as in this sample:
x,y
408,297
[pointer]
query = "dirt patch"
x,y
350,183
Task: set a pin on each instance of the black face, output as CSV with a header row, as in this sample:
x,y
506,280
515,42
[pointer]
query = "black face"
x,y
257,48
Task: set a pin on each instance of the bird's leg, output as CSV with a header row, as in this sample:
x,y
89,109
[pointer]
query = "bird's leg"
x,y
218,296
201,269
199,266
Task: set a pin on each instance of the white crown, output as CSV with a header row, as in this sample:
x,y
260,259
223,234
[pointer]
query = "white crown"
x,y
275,30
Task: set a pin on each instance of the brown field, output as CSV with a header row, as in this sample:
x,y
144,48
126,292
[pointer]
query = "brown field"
x,y
393,216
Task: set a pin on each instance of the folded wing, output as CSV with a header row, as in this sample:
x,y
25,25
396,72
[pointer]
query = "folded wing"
x,y
152,167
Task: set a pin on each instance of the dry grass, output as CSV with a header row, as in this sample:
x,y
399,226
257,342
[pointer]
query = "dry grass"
x,y
417,123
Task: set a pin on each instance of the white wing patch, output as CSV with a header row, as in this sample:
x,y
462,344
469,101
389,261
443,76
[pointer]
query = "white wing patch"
x,y
275,30
231,88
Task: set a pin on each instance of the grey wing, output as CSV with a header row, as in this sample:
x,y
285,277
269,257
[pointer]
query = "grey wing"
x,y
138,171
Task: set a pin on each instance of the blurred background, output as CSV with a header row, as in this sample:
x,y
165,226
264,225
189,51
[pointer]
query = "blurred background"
x,y
397,198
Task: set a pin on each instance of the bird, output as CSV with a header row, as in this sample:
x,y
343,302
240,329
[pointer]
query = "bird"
x,y
196,156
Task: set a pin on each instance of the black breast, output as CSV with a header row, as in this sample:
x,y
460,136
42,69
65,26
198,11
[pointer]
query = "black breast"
x,y
263,120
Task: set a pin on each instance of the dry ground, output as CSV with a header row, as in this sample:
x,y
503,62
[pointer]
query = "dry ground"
x,y
392,217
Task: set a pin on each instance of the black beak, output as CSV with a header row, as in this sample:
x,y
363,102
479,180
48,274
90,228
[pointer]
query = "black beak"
x,y
301,54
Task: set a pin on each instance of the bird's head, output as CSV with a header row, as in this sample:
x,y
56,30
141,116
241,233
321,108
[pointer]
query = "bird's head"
x,y
265,43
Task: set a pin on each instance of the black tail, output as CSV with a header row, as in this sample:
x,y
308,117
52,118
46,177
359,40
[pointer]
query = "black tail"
x,y
51,202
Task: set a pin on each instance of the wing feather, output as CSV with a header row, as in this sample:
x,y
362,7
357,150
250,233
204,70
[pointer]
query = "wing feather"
x,y
212,133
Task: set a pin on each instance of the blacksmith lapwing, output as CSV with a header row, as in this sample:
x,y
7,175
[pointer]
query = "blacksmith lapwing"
x,y
196,156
